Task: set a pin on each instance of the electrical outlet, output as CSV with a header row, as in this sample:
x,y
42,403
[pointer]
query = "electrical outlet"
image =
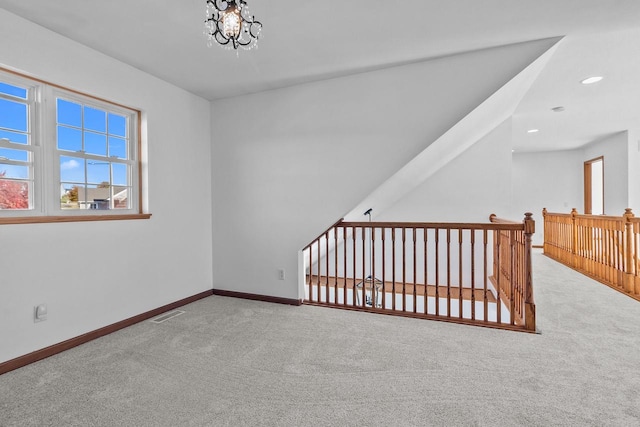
x,y
281,275
40,313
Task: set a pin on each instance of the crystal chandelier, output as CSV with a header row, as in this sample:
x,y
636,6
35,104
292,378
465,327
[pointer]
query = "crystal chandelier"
x,y
229,23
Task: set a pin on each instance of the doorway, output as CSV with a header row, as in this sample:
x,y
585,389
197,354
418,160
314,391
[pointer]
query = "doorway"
x,y
594,186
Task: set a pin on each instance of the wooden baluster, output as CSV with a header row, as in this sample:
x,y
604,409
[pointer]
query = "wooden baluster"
x,y
460,305
437,266
335,265
326,257
607,259
603,271
603,244
485,275
585,239
497,274
601,251
448,272
415,281
636,259
355,274
404,270
512,277
384,283
629,261
426,282
393,268
311,272
318,283
473,273
344,266
364,268
546,232
530,307
372,269
574,239
610,261
617,255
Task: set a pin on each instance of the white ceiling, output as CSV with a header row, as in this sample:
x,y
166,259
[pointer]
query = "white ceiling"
x,y
312,40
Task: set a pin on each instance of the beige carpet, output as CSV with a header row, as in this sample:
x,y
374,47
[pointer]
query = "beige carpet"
x,y
230,362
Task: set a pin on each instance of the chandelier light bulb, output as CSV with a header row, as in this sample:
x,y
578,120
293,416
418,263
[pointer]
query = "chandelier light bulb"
x,y
229,23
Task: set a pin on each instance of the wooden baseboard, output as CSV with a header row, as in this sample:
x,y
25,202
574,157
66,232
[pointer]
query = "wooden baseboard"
x,y
537,246
21,361
257,297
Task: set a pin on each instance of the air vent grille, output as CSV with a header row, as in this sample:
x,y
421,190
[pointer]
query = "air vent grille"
x,y
166,316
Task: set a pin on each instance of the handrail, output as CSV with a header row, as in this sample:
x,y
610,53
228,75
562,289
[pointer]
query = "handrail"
x,y
494,219
472,273
603,247
441,225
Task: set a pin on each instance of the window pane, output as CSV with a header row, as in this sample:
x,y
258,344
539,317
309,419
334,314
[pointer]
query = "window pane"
x,y
98,172
120,175
20,138
121,197
71,169
117,125
13,90
95,119
69,113
69,139
71,196
95,143
9,154
98,197
117,147
14,194
14,171
13,115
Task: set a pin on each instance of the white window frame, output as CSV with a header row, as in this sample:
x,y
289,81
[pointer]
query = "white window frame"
x,y
34,98
45,156
132,155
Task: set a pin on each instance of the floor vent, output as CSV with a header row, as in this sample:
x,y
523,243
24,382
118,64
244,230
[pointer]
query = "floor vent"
x,y
166,316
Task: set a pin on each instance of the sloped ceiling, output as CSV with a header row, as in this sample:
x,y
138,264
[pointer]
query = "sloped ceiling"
x,y
470,129
305,41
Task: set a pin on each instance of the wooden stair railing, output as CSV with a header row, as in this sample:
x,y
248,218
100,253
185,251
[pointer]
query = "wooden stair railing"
x,y
604,248
472,273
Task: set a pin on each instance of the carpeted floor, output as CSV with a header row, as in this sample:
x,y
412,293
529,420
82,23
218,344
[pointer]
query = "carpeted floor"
x,y
231,362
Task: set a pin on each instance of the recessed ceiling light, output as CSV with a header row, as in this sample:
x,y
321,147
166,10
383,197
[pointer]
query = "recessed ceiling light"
x,y
591,80
533,130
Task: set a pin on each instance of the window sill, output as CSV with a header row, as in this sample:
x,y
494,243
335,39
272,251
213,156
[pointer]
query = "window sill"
x,y
70,218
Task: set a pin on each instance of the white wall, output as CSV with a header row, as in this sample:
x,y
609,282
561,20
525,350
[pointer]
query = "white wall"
x,y
289,163
474,185
549,179
93,274
634,170
615,150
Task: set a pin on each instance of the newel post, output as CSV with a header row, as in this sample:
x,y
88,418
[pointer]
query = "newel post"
x,y
574,239
529,305
629,256
544,230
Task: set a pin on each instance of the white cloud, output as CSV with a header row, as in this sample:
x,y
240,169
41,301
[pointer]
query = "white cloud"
x,y
70,164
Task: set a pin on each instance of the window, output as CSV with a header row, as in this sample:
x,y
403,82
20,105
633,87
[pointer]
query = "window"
x,y
65,154
16,147
594,186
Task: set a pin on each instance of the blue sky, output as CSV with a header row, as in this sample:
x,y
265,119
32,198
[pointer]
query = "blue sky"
x,y
79,127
